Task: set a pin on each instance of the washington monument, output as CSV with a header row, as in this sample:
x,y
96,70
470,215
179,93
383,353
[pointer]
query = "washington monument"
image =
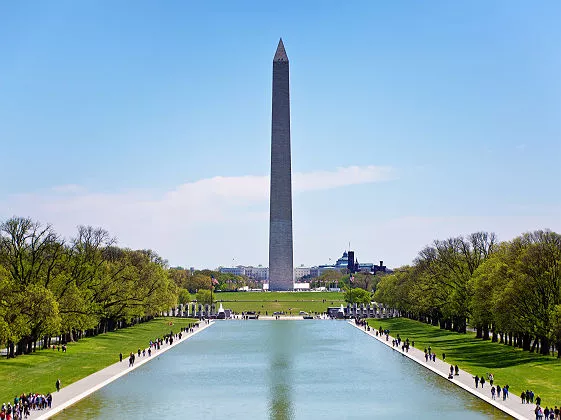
x,y
280,222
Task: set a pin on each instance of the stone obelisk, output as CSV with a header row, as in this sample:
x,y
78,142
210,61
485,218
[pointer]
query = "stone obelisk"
x,y
280,223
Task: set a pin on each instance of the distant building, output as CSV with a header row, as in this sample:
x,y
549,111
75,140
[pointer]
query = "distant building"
x,y
300,272
237,271
260,274
257,273
344,263
254,273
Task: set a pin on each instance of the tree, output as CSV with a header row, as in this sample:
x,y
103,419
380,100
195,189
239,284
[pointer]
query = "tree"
x,y
183,297
204,297
358,296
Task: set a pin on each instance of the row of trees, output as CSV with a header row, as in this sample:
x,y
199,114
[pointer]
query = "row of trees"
x,y
84,286
508,291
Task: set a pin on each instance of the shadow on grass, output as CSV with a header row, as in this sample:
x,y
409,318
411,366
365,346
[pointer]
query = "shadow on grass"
x,y
464,348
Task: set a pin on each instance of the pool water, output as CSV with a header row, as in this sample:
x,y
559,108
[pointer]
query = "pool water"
x,y
316,369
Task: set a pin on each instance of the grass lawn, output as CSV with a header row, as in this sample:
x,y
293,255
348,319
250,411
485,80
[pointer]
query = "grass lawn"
x,y
279,301
521,370
38,372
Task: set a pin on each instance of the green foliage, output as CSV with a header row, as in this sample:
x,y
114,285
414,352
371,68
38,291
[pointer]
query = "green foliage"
x,y
51,287
204,297
358,295
329,278
512,288
184,297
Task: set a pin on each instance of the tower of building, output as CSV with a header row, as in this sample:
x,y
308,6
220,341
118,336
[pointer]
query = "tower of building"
x,y
280,222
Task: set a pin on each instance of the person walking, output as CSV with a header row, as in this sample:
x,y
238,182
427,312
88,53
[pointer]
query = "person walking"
x,y
476,381
120,357
493,392
58,384
482,380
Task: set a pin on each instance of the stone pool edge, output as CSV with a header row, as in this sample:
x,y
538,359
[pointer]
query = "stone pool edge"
x,y
83,389
507,410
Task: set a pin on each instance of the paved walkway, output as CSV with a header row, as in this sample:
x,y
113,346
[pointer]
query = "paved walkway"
x,y
73,393
512,406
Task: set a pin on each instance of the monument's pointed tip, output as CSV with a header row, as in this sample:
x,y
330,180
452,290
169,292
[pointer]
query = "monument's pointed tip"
x,y
280,55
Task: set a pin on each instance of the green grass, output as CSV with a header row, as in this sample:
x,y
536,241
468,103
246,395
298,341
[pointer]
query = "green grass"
x,y
521,370
270,302
38,371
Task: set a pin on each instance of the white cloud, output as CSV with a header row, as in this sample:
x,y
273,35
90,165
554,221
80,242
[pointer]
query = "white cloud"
x,y
186,221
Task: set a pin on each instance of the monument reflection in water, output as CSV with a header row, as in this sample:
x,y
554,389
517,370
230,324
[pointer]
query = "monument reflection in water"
x,y
281,370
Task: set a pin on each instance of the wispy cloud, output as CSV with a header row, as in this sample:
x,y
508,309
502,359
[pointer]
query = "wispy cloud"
x,y
180,216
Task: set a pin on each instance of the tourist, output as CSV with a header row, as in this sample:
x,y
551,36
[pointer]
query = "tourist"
x,y
539,412
498,391
457,369
476,381
538,400
493,392
443,356
505,392
523,397
451,370
556,412
546,413
58,384
120,357
491,379
482,381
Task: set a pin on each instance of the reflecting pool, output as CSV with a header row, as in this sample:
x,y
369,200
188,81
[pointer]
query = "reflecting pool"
x,y
281,370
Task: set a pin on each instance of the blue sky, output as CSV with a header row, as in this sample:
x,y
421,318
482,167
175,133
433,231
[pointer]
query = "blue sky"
x,y
411,121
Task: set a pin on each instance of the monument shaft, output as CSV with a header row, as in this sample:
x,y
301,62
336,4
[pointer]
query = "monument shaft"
x,y
280,223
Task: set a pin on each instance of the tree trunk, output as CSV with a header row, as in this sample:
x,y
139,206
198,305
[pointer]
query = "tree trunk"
x,y
486,332
478,332
526,342
545,345
10,352
534,344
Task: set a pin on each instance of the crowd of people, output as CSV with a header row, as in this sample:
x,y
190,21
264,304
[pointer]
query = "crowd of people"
x,y
23,405
156,344
547,413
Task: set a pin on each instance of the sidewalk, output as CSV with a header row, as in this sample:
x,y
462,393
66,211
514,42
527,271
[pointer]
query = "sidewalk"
x,y
511,406
73,393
